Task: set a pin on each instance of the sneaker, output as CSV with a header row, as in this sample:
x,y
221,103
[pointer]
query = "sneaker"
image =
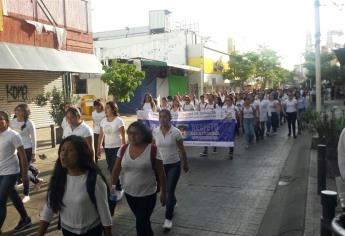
x,y
231,156
38,185
247,146
23,224
294,136
214,151
35,172
203,154
119,195
167,224
26,199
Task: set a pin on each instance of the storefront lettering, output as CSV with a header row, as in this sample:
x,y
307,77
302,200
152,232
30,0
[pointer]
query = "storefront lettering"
x,y
17,93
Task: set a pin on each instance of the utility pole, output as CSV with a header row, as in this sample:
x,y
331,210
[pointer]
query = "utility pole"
x,y
317,56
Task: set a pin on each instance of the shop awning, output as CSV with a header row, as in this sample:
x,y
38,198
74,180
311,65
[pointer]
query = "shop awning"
x,y
184,67
23,57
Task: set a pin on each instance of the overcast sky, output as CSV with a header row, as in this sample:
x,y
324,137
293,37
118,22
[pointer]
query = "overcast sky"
x,y
282,25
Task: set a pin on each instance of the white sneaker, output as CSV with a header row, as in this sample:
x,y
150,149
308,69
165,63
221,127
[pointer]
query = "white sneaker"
x,y
167,224
119,195
26,199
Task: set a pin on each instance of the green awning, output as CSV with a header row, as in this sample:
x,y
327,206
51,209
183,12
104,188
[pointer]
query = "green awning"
x,y
148,62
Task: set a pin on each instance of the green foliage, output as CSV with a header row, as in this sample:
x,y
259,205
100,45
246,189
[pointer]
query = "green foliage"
x,y
239,68
329,69
123,79
56,99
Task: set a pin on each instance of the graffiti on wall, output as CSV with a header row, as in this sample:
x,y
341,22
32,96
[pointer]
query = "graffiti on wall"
x,y
17,93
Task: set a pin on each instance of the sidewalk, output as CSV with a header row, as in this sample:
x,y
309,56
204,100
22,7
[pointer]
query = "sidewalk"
x,y
314,208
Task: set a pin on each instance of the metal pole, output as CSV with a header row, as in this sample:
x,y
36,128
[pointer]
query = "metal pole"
x,y
52,135
202,67
321,168
329,203
317,56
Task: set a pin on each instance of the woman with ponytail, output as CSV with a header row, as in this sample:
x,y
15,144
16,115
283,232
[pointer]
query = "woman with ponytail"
x,y
27,131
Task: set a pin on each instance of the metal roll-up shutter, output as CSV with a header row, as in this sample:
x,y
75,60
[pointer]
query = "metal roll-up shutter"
x,y
19,86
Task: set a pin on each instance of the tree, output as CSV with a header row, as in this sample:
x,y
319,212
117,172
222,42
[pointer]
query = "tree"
x,y
239,68
266,62
329,68
123,79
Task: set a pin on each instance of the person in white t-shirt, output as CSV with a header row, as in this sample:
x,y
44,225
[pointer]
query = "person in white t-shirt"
x,y
76,126
210,106
263,114
112,131
187,106
11,147
68,193
141,166
249,116
169,142
97,116
26,129
230,109
290,108
148,103
202,104
165,104
176,106
64,122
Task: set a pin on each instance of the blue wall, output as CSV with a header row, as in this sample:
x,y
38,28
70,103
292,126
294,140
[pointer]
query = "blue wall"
x,y
148,85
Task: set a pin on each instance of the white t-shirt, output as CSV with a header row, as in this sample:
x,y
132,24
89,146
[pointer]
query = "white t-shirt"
x,y
167,148
166,107
248,113
112,135
28,134
97,117
79,214
202,106
239,104
264,108
9,142
273,106
341,154
138,179
290,105
82,130
64,123
188,107
230,111
210,107
147,106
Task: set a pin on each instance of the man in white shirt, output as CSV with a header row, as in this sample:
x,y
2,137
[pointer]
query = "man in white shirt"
x,y
187,106
76,126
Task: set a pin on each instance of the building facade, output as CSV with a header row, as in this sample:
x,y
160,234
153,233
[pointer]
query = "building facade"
x,y
44,44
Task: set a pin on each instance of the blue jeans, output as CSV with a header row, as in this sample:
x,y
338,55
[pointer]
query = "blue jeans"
x,y
7,190
142,208
248,129
31,168
110,156
172,172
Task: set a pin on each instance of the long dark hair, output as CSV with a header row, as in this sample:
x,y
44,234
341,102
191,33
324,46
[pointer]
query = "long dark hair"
x,y
152,103
57,185
113,107
146,132
25,108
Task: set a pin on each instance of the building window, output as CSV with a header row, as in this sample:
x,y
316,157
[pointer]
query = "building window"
x,y
79,85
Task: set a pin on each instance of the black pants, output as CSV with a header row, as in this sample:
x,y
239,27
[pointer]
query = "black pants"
x,y
291,120
32,169
142,208
96,231
275,121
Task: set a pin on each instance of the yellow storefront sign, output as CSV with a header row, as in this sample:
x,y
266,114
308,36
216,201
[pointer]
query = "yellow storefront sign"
x,y
211,66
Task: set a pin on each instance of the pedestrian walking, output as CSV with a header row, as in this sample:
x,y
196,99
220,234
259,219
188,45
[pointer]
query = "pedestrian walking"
x,y
176,107
202,104
165,104
141,166
148,103
230,110
187,106
169,142
274,110
301,106
97,116
248,117
112,131
263,114
290,107
65,108
26,129
76,126
11,148
68,193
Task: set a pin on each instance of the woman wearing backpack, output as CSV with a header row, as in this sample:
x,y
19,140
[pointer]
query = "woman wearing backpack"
x,y
169,142
141,166
68,196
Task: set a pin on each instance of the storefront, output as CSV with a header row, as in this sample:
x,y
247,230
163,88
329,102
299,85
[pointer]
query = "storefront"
x,y
27,71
